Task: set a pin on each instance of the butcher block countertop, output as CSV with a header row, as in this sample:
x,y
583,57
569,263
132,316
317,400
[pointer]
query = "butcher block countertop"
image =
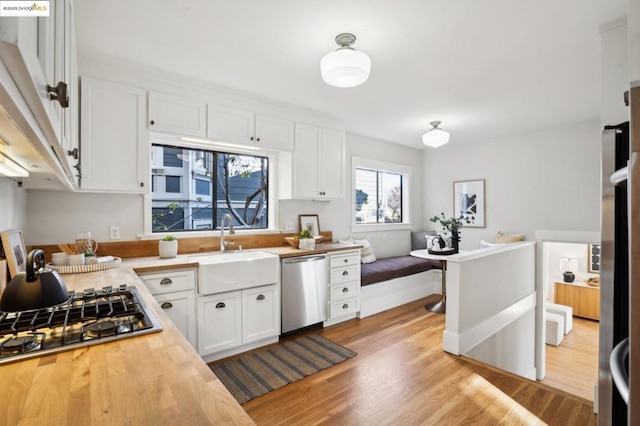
x,y
153,379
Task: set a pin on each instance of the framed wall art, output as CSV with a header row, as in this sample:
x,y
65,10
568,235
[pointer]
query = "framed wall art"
x,y
593,258
14,251
469,201
310,222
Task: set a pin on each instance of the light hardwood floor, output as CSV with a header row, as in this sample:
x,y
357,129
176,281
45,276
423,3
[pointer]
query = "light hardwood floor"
x,y
401,376
573,366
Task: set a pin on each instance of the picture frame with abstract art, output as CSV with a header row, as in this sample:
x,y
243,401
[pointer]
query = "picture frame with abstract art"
x,y
310,222
593,258
469,201
14,251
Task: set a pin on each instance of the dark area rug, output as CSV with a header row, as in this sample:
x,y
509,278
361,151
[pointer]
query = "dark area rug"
x,y
255,374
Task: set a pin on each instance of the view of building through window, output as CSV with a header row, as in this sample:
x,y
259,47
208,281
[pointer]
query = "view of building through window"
x,y
378,196
192,189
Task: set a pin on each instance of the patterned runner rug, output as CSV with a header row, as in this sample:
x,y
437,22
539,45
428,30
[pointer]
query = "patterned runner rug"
x,y
255,374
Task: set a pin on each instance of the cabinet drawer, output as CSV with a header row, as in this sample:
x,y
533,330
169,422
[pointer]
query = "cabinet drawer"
x,y
338,261
169,281
344,291
342,275
343,307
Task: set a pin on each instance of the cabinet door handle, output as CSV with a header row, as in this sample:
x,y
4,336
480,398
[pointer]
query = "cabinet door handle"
x,y
166,305
152,122
345,273
346,261
74,153
345,306
141,184
345,290
251,138
220,305
257,139
260,297
59,93
166,281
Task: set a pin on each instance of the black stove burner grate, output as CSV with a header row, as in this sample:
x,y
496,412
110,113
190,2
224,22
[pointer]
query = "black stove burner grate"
x,y
88,316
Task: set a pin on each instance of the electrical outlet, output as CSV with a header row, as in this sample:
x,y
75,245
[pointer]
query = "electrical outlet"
x,y
114,232
288,226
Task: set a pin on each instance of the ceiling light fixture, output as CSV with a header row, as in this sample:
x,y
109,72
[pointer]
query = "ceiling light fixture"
x,y
435,137
10,168
345,66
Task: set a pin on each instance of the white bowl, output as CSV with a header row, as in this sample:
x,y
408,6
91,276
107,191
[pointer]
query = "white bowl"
x,y
76,259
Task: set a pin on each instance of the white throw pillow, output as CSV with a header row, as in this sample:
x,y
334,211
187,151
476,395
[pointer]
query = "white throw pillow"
x,y
348,240
366,254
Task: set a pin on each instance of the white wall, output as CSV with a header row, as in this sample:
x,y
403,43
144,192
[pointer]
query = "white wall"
x,y
546,179
615,72
13,206
55,216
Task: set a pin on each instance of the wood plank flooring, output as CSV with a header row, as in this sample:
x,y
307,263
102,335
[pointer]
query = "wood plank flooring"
x,y
573,366
401,376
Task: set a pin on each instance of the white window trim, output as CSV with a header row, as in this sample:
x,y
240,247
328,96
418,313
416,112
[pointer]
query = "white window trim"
x,y
273,199
385,166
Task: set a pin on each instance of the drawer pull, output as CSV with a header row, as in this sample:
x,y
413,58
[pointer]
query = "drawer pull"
x,y
260,297
220,305
166,305
346,261
345,290
345,306
345,273
166,281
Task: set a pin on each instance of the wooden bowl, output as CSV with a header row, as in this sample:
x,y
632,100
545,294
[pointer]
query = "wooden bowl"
x,y
294,241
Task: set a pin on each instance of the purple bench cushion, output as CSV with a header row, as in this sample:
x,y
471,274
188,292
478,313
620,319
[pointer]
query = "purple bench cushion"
x,y
394,267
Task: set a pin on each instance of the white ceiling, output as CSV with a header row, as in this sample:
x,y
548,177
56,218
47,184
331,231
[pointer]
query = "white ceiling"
x,y
484,68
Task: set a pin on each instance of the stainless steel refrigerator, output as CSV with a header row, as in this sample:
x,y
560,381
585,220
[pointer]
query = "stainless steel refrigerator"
x,y
619,352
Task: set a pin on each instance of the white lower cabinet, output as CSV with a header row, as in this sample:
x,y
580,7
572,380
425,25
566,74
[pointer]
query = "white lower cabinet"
x,y
237,318
174,290
344,286
219,322
260,313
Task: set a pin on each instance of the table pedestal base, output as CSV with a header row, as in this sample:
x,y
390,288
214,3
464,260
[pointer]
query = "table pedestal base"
x,y
437,307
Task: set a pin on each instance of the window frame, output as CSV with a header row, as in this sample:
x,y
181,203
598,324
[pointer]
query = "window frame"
x,y
167,140
388,167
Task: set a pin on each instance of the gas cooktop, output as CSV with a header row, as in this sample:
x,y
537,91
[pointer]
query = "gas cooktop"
x,y
87,318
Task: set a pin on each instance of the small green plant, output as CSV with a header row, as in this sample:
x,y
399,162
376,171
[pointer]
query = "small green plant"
x,y
452,224
168,238
305,234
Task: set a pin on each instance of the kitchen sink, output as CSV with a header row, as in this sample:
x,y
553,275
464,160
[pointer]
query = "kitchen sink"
x,y
229,271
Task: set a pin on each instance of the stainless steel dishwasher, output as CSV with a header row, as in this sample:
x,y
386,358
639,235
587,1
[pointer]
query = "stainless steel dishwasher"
x,y
304,291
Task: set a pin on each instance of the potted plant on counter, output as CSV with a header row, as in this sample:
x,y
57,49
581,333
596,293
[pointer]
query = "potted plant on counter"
x,y
168,247
452,225
307,242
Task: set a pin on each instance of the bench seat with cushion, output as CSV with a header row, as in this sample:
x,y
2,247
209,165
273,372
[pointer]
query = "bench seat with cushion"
x,y
394,267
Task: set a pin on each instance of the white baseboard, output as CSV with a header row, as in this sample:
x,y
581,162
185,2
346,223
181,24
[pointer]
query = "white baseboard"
x,y
385,295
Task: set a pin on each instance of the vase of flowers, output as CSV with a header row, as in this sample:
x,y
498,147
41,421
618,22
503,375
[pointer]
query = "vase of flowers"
x,y
168,247
452,225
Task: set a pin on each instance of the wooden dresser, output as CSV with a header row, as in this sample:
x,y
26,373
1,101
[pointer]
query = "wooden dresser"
x,y
583,298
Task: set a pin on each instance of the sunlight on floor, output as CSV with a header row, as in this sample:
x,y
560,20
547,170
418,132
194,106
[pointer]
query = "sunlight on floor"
x,y
496,403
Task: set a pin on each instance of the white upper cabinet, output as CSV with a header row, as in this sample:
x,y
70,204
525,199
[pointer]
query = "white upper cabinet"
x,y
318,164
229,124
114,142
40,55
174,114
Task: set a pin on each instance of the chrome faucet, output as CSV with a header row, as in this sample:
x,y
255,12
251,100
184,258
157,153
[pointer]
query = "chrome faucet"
x,y
223,243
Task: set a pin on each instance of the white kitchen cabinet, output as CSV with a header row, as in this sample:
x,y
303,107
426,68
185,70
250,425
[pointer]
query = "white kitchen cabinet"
x,y
178,115
317,166
219,322
40,55
238,318
344,286
260,313
114,142
174,290
229,124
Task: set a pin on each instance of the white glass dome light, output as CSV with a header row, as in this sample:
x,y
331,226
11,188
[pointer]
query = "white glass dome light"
x,y
436,136
345,67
